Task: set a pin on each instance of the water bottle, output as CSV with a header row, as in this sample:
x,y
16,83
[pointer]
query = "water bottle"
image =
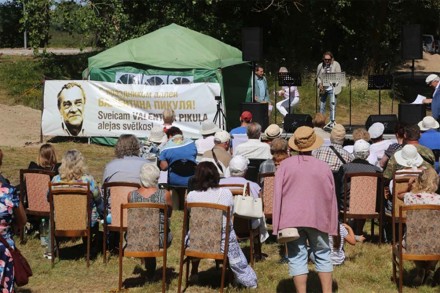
x,y
44,232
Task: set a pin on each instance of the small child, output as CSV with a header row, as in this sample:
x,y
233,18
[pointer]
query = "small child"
x,y
336,243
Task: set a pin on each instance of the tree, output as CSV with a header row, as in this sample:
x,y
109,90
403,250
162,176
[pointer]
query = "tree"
x,y
36,21
10,14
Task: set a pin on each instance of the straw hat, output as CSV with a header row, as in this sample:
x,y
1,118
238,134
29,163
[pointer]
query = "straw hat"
x,y
273,131
408,156
428,123
305,139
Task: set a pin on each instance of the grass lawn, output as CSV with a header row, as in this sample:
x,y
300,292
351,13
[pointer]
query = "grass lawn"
x,y
367,269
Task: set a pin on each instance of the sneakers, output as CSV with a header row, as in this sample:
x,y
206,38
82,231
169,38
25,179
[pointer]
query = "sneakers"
x,y
47,255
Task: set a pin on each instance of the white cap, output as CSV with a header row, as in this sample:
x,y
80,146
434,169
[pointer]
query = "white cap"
x,y
428,123
431,78
376,130
222,136
361,146
238,164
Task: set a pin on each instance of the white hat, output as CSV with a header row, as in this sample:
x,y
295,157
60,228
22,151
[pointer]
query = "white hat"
x,y
376,130
157,135
222,136
238,164
428,123
408,156
209,127
431,78
361,146
273,131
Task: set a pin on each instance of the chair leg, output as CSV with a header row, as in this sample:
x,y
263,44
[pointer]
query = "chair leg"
x,y
104,244
251,244
164,272
88,248
372,229
120,264
400,275
222,284
179,284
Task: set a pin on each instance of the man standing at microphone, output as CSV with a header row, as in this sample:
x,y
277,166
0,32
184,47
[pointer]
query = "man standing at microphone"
x,y
328,65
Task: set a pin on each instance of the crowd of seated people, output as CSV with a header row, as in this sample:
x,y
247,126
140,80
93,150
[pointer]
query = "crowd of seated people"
x,y
214,158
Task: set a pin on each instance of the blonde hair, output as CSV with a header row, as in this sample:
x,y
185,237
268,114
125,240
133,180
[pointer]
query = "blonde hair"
x,y
319,120
426,182
47,157
361,133
278,149
73,166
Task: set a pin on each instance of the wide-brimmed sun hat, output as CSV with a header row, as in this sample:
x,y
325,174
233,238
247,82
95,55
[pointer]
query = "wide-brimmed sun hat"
x,y
428,123
273,131
408,156
376,130
305,139
209,127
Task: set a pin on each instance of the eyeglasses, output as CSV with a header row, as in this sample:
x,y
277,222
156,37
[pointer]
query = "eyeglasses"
x,y
327,59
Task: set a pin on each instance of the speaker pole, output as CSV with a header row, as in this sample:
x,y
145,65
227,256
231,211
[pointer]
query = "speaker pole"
x,y
349,84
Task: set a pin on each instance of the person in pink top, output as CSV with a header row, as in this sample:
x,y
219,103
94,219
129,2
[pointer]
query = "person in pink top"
x,y
304,198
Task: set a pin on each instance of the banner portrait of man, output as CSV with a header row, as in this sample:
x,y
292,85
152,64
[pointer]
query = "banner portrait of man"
x,y
71,103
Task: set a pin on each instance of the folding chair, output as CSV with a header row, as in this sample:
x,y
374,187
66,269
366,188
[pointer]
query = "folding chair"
x,y
184,168
267,192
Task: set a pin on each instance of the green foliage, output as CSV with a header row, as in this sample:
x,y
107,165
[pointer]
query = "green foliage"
x,y
10,14
36,21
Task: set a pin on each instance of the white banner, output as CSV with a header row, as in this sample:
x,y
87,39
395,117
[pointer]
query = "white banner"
x,y
94,108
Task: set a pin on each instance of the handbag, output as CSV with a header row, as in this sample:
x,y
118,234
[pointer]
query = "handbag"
x,y
245,206
22,269
287,234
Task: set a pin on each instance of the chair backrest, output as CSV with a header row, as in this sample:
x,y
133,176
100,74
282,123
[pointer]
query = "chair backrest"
x,y
364,191
35,183
400,183
422,229
183,167
70,206
253,169
238,139
116,194
268,185
143,227
237,189
205,222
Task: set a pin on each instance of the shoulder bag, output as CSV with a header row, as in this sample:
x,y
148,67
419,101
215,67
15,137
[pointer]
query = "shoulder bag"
x,y
287,234
245,206
22,269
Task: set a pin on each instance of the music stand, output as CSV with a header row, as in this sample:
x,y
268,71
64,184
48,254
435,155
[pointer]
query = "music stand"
x,y
289,79
380,82
333,79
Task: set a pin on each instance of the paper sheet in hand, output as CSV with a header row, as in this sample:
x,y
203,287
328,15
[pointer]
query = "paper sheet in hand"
x,y
419,99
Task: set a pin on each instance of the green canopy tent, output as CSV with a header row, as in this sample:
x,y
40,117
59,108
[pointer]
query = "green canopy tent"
x,y
179,51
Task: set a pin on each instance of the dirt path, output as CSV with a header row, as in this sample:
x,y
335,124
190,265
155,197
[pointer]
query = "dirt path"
x,y
21,125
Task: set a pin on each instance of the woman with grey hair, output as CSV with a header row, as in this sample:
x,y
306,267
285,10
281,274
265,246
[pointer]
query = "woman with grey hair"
x,y
149,192
73,169
127,165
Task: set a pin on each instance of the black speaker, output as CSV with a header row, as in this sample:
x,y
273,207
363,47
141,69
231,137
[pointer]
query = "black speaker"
x,y
252,43
259,112
411,113
389,121
412,42
293,121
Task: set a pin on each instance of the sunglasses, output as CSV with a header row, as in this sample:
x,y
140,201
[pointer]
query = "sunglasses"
x,y
327,59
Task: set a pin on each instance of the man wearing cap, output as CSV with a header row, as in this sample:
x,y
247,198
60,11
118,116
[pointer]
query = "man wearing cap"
x,y
334,155
379,145
219,154
361,151
205,143
272,131
430,136
411,136
433,80
253,148
245,119
311,208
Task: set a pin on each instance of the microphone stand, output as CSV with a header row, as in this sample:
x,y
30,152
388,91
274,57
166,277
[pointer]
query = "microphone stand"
x,y
349,84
